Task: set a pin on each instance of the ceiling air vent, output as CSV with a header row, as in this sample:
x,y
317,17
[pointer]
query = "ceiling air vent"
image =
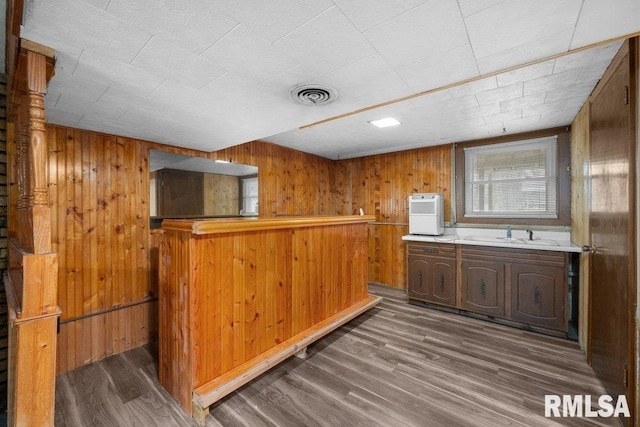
x,y
313,95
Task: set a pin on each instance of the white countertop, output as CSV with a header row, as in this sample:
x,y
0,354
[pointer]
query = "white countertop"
x,y
559,241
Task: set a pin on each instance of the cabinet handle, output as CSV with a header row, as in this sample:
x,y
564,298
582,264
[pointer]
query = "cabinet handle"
x,y
420,278
483,288
536,295
441,281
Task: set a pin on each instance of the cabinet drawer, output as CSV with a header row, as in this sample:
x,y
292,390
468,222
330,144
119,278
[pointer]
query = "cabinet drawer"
x,y
433,249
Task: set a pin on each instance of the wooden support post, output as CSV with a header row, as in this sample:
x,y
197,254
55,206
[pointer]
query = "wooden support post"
x,y
32,280
38,154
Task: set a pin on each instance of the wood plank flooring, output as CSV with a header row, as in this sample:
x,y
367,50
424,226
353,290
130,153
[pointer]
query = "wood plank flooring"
x,y
396,365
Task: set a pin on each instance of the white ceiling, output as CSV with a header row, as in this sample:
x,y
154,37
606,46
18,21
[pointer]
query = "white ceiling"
x,y
208,74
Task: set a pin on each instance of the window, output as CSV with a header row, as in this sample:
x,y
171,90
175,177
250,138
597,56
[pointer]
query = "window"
x,y
516,179
521,179
250,196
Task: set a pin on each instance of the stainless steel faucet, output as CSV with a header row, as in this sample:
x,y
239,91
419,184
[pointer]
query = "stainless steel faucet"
x,y
508,232
530,234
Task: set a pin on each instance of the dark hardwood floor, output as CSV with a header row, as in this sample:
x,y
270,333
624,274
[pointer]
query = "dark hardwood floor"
x,y
396,365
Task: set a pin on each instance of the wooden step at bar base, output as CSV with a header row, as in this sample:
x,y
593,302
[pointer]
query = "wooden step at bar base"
x,y
209,393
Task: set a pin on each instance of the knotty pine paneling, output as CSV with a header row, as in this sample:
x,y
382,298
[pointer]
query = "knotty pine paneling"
x,y
99,196
580,137
380,186
290,182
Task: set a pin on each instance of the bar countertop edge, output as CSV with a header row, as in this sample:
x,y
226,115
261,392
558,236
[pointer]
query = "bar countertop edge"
x,y
234,225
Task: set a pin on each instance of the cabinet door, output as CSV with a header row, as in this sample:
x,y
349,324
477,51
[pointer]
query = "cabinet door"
x,y
420,270
442,289
483,287
538,295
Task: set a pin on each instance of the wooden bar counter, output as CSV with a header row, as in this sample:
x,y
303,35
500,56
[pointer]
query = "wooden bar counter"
x,y
238,296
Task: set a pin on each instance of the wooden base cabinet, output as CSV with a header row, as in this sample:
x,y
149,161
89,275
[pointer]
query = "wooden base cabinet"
x,y
538,295
483,287
432,273
517,286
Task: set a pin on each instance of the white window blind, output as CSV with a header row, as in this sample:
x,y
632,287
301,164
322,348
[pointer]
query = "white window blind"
x,y
515,180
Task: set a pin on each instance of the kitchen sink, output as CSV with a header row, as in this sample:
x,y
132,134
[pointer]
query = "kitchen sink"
x,y
491,239
541,242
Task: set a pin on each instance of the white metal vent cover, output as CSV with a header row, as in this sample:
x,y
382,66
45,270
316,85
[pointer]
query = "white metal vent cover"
x,y
313,94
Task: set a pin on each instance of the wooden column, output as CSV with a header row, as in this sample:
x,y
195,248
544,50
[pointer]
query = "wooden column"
x,y
38,197
31,282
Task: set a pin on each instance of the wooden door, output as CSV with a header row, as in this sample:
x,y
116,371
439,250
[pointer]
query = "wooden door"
x,y
483,287
612,230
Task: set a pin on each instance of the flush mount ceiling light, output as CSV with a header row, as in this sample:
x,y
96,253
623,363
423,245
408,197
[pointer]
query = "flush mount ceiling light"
x,y
313,94
385,123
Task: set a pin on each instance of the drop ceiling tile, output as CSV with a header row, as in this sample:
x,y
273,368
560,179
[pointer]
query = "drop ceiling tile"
x,y
470,7
445,68
581,90
110,72
605,20
500,94
474,87
433,99
83,26
368,13
100,4
549,45
513,23
77,104
62,118
181,96
555,81
164,60
135,104
557,105
594,71
241,50
524,101
238,89
433,28
326,43
273,19
524,124
190,25
87,88
527,73
364,76
500,118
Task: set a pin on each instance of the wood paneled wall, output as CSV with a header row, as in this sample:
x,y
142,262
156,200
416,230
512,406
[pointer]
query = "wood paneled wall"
x,y
580,209
99,191
99,196
221,194
290,182
380,186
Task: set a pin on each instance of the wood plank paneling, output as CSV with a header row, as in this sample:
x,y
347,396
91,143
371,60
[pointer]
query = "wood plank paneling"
x,y
290,182
580,137
287,275
99,196
380,186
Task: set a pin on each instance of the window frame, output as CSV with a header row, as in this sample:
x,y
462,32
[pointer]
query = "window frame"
x,y
563,189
